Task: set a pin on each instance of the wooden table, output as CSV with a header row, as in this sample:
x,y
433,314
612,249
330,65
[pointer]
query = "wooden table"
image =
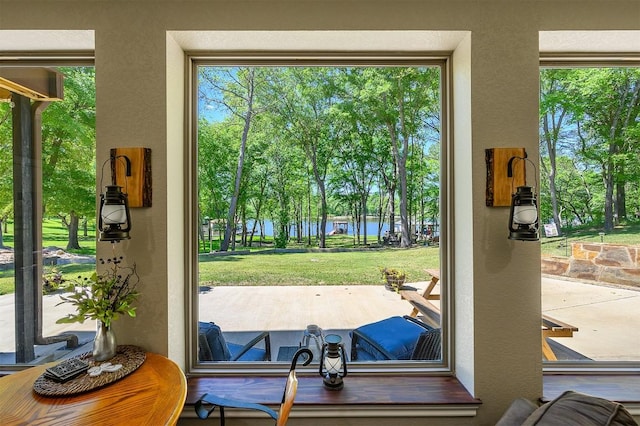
x,y
551,327
154,394
421,303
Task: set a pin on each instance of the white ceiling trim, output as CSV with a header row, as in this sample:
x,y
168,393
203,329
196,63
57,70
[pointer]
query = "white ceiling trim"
x,y
549,41
47,40
338,41
589,41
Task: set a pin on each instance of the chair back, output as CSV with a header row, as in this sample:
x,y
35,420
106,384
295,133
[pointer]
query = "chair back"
x,y
291,387
428,346
211,343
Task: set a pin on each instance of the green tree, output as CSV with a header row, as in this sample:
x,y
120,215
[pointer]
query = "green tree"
x,y
402,100
577,187
302,98
555,113
607,102
217,148
68,152
235,88
315,147
6,165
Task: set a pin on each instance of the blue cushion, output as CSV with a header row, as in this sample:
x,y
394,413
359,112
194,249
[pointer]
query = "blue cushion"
x,y
216,341
253,354
366,355
396,335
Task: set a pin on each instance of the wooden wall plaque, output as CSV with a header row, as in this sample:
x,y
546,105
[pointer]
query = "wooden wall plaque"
x,y
138,185
499,185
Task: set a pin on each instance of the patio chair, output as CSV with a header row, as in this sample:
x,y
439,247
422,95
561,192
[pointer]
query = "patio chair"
x,y
429,346
207,403
212,346
396,338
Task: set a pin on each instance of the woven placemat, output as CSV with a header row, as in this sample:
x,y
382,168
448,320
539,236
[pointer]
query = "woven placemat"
x,y
131,357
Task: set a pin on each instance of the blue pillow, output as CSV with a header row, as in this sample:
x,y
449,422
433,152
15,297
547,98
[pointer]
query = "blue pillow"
x,y
253,354
216,341
396,335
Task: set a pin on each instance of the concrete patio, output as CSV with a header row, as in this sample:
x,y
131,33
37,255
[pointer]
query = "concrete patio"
x,y
606,315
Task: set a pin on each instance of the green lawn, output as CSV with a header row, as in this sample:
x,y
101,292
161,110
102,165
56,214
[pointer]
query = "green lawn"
x,y
349,267
54,234
316,268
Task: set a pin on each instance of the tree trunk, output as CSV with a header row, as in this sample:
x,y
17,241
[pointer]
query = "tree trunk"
x,y
400,157
74,222
405,241
2,234
323,215
608,199
231,223
621,201
380,214
319,178
258,209
243,222
609,170
551,140
363,202
308,211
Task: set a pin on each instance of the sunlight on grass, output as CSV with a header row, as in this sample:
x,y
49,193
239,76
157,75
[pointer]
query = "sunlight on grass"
x,y
55,234
69,272
316,268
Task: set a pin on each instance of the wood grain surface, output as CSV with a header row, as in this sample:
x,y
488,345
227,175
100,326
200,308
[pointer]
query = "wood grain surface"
x,y
154,394
358,390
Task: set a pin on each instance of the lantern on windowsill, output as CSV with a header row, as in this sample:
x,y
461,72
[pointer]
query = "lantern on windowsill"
x,y
115,220
333,362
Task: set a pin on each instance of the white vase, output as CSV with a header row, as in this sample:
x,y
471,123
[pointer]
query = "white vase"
x,y
104,344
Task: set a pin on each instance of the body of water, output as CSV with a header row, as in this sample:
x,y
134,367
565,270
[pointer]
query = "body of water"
x,y
372,228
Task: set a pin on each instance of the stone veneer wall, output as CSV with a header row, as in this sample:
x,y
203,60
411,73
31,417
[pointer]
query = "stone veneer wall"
x,y
610,263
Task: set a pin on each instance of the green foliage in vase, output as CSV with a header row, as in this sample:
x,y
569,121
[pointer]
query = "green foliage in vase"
x,y
103,296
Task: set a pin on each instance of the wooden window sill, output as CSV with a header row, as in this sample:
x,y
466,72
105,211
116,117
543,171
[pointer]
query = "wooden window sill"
x,y
386,395
622,388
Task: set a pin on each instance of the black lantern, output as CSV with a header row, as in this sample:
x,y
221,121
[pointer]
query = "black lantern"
x,y
333,362
115,221
523,216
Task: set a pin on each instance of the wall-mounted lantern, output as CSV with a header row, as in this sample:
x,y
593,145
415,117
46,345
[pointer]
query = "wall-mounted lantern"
x,y
523,214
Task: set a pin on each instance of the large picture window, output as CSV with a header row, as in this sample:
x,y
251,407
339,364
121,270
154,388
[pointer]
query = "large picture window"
x,y
319,211
590,210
